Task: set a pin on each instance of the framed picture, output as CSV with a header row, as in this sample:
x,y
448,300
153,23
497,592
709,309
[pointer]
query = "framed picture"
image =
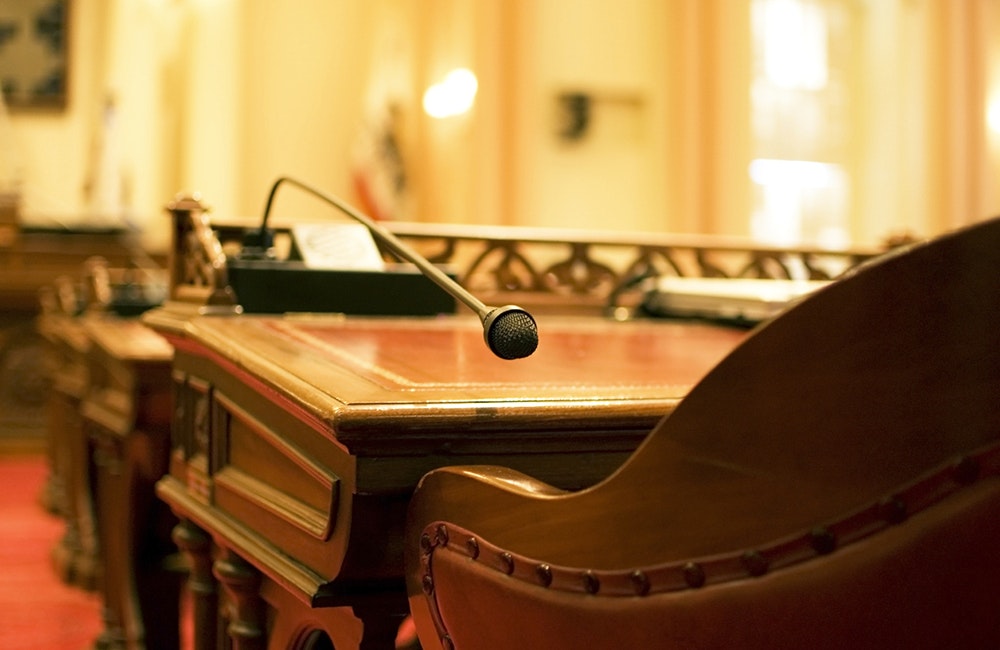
x,y
34,54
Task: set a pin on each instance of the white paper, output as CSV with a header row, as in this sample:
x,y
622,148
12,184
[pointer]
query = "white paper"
x,y
338,246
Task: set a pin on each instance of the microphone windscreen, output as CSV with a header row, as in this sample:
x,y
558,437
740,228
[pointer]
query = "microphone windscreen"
x,y
510,332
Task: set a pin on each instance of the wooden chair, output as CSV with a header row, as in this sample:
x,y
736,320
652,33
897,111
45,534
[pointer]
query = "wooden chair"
x,y
832,483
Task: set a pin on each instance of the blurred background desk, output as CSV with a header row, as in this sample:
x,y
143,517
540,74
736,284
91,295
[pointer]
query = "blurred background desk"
x,y
109,421
126,415
32,258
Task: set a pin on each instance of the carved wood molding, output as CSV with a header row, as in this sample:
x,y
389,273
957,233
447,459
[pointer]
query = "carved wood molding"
x,y
562,266
198,272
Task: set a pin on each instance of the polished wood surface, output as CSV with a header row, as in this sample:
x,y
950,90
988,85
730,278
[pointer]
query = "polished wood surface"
x,y
297,441
833,482
337,367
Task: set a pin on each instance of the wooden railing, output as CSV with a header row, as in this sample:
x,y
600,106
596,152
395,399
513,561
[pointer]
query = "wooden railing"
x,y
568,270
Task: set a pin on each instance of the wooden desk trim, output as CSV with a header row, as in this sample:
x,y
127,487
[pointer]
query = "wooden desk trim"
x,y
277,566
318,524
349,425
269,392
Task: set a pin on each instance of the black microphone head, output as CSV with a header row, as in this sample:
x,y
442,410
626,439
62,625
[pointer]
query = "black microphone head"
x,y
510,332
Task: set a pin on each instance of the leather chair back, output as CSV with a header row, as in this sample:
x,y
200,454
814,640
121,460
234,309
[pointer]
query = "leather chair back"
x,y
832,483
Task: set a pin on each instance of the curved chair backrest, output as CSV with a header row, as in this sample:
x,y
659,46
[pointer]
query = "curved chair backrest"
x,y
832,483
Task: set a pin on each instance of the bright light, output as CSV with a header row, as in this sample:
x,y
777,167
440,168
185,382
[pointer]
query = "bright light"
x,y
452,96
799,200
993,115
794,39
793,173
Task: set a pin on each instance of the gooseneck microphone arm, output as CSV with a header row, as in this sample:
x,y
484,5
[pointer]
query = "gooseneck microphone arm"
x,y
509,331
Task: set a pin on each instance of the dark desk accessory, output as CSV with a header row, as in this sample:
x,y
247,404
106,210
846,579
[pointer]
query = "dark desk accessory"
x,y
744,302
268,286
132,298
123,292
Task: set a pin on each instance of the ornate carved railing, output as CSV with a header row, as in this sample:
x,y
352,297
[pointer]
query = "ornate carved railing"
x,y
560,269
563,267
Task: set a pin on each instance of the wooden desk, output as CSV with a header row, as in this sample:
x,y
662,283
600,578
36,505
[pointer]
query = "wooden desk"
x,y
30,260
297,442
95,355
67,491
127,414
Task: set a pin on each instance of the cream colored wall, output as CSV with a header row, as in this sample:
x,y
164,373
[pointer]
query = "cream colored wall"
x,y
607,176
265,92
926,160
123,51
675,158
303,77
990,24
217,97
444,154
223,96
51,147
654,70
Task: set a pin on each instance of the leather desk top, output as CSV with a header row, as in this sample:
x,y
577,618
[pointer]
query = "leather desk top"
x,y
353,372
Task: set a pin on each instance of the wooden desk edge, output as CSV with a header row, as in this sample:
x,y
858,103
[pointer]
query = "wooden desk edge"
x,y
278,567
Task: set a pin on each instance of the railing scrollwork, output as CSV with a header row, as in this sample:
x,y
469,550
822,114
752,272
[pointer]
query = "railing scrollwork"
x,y
562,269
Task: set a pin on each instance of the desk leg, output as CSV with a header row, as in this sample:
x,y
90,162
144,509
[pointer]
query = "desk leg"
x,y
197,547
246,617
76,555
112,522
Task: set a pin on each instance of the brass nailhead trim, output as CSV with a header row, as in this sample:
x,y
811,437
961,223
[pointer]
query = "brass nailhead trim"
x,y
544,573
507,563
754,563
892,510
472,547
640,582
966,470
822,541
441,535
694,575
427,584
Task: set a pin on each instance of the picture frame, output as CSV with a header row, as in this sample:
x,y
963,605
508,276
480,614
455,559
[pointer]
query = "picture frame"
x,y
34,53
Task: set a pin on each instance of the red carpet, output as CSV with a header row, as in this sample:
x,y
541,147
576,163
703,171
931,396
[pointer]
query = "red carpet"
x,y
37,611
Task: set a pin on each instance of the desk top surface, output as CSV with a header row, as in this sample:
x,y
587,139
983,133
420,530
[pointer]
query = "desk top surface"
x,y
127,339
389,368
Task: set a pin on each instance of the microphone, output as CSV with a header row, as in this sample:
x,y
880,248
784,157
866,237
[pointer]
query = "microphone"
x,y
509,331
